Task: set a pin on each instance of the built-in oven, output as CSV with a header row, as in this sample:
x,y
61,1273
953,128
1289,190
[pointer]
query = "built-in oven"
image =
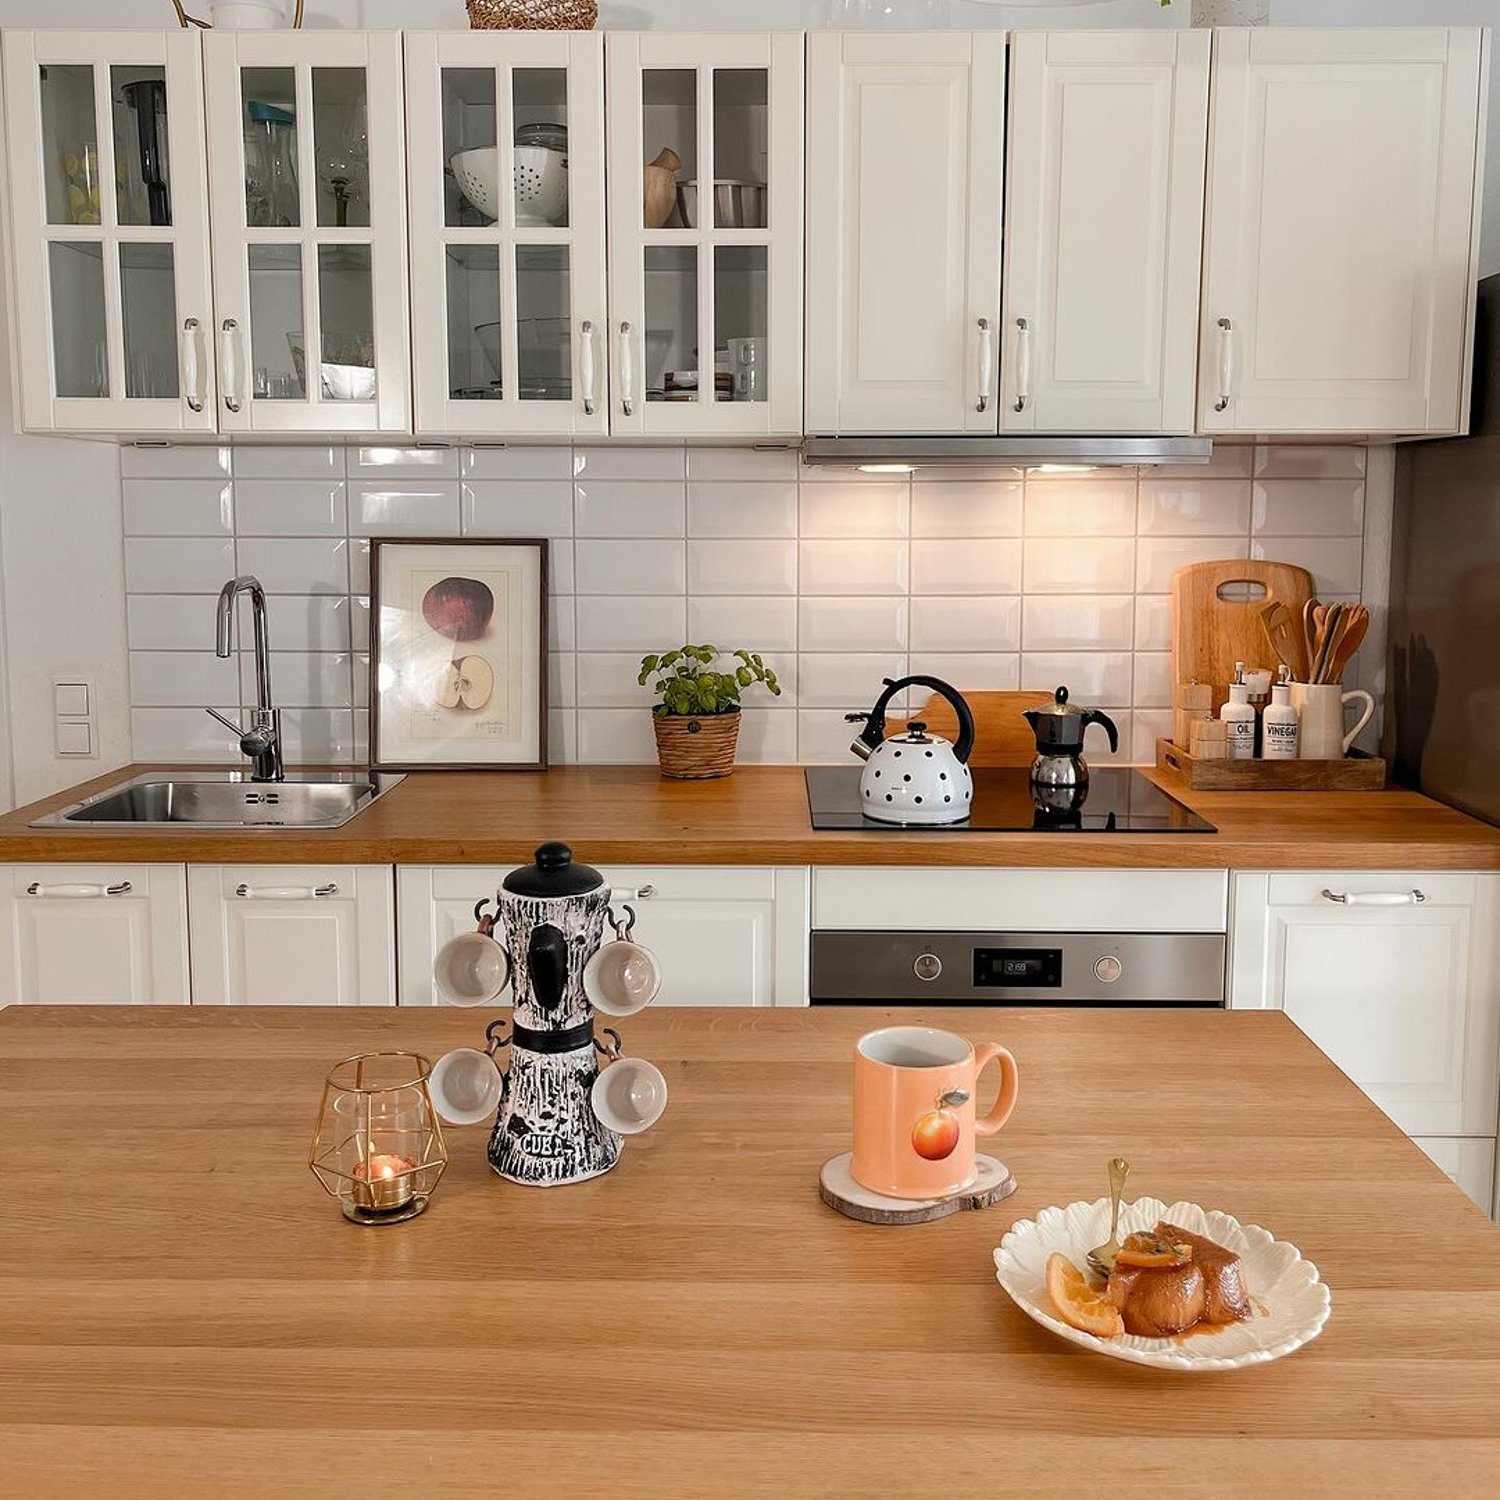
x,y
1017,968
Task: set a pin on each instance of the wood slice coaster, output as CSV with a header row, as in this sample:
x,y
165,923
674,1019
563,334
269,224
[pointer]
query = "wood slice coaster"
x,y
838,1189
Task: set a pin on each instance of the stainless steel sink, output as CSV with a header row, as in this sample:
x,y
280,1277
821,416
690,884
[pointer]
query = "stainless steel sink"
x,y
227,799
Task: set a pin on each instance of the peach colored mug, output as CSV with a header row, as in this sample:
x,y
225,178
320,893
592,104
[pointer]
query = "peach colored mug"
x,y
914,1123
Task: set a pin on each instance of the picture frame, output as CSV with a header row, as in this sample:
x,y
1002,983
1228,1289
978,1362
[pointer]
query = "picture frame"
x,y
458,654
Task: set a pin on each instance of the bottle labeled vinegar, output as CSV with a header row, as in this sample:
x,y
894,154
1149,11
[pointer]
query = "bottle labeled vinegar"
x,y
1279,725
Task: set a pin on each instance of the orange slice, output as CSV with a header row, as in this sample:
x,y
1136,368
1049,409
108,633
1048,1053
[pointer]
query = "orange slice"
x,y
1076,1302
1149,1252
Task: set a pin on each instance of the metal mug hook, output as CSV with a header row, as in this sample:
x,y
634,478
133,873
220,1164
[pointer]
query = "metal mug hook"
x,y
494,1043
616,1047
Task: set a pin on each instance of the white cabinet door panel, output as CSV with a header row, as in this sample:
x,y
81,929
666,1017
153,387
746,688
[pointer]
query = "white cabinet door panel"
x,y
93,935
905,157
1468,1160
1104,213
1340,230
1404,998
292,935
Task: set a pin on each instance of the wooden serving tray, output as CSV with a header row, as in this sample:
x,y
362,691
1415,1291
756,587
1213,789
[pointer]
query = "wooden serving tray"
x,y
1354,773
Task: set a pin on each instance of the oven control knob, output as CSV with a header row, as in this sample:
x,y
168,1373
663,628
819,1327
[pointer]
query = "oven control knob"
x,y
928,966
1107,969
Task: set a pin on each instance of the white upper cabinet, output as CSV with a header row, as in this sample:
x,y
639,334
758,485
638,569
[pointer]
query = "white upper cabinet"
x,y
306,147
509,331
1103,230
1340,230
904,174
113,310
705,247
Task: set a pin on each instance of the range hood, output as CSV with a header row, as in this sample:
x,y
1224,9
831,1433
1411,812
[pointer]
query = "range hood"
x,y
1020,450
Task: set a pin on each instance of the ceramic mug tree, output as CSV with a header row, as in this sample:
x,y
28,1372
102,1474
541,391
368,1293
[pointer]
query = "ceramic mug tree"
x,y
697,717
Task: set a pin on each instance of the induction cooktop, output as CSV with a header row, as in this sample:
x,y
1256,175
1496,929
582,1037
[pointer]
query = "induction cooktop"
x,y
1114,800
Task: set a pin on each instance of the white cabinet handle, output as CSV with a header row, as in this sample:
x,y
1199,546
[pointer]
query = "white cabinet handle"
x,y
190,366
986,360
1375,898
1226,362
627,371
1023,363
232,363
626,893
120,888
285,892
586,365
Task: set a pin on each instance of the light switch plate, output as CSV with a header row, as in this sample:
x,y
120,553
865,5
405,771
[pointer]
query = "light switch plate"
x,y
75,737
70,699
74,733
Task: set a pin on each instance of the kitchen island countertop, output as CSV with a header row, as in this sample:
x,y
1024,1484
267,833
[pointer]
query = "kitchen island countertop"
x,y
759,816
185,1313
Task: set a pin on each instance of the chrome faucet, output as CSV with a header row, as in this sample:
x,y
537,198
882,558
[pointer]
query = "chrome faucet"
x,y
262,741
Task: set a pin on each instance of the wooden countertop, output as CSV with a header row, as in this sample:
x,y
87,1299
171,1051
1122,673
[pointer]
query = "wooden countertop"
x,y
184,1313
631,815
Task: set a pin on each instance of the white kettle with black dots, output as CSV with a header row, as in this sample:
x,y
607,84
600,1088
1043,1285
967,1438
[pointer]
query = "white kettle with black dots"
x,y
916,779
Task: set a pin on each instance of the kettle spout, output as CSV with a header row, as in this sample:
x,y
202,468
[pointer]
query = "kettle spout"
x,y
861,749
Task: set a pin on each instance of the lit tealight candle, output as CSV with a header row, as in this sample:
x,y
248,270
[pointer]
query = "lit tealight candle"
x,y
382,1182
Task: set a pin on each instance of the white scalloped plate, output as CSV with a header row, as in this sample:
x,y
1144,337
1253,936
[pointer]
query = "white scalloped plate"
x,y
1291,1303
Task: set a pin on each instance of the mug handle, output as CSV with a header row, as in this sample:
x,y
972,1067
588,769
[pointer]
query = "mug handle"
x,y
1351,696
1010,1083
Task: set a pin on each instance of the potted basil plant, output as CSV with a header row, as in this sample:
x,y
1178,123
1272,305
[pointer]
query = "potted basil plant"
x,y
697,719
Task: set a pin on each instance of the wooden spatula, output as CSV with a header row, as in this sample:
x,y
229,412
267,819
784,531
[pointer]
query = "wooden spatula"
x,y
1285,636
1352,631
1327,633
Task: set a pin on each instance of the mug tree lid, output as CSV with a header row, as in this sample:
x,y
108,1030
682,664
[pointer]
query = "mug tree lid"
x,y
553,874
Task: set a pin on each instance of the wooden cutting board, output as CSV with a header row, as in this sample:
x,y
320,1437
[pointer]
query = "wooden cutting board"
x,y
1216,617
1001,736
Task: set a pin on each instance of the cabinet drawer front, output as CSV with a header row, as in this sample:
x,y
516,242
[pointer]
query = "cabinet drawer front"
x,y
1023,900
1305,888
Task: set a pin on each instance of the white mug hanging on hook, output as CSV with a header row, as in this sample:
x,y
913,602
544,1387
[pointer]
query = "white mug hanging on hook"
x,y
629,1094
623,977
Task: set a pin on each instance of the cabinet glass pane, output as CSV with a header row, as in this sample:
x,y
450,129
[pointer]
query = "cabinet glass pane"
x,y
347,309
740,153
544,322
672,323
474,357
740,321
277,349
269,120
80,363
341,146
138,97
471,163
148,315
70,144
541,146
669,129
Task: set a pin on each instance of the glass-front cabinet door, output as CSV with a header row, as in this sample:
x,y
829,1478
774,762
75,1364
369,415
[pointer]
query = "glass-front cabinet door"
x,y
508,316
109,204
705,233
306,147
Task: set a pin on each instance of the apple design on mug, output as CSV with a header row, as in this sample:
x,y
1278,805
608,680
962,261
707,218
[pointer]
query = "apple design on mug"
x,y
935,1134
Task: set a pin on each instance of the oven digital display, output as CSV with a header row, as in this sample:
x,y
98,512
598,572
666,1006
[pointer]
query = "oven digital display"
x,y
1018,968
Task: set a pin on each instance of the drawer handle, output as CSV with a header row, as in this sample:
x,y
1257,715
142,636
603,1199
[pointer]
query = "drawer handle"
x,y
1375,898
120,888
285,892
628,893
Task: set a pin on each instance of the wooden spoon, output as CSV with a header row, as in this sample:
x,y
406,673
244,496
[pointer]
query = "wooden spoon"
x,y
1351,637
1327,635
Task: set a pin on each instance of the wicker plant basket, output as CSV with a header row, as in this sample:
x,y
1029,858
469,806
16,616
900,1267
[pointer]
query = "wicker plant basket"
x,y
695,749
532,15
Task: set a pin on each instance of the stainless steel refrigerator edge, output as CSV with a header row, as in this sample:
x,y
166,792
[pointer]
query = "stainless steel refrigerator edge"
x,y
1442,729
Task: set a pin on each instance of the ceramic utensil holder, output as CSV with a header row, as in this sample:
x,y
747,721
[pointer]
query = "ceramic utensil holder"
x,y
1321,718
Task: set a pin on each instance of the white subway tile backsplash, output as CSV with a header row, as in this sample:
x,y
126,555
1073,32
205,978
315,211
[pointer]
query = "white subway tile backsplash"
x,y
628,508
177,565
177,507
836,624
630,567
517,508
968,507
958,623
742,567
290,507
990,579
969,566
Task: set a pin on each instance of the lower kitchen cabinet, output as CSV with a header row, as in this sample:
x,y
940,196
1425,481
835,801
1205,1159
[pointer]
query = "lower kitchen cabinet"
x,y
1468,1160
724,936
292,934
93,934
1395,975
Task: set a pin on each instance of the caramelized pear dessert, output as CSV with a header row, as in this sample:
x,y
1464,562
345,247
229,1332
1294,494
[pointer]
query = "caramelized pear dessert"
x,y
1168,1280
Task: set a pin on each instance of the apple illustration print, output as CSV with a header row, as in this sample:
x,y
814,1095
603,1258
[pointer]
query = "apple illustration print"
x,y
935,1134
460,609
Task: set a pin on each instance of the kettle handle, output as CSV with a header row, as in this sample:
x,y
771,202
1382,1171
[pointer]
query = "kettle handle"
x,y
874,730
1093,716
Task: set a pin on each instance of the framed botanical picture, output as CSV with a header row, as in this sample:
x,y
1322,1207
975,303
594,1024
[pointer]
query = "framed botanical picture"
x,y
458,663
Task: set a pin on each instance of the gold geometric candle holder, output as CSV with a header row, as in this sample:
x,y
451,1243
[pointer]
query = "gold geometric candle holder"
x,y
378,1144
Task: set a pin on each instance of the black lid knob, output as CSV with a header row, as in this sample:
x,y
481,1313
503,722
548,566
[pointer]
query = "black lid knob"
x,y
916,726
1060,697
551,857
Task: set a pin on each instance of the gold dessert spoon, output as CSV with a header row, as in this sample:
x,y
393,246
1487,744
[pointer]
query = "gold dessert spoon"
x,y
1102,1258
